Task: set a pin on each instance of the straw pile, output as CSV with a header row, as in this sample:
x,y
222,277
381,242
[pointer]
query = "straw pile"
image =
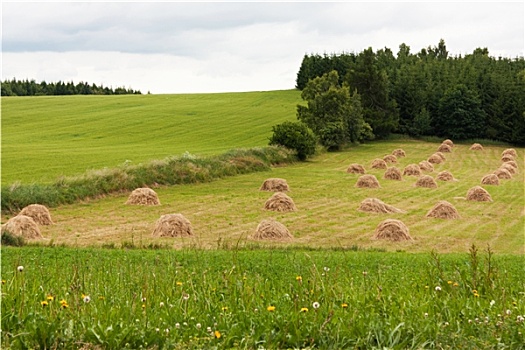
x,y
355,169
393,173
39,213
444,148
510,152
441,155
435,159
22,225
509,168
375,205
426,181
275,185
507,158
390,158
378,164
512,163
443,210
490,179
172,225
399,153
445,176
393,230
280,202
503,174
478,194
448,142
426,166
273,230
143,196
367,181
476,147
412,170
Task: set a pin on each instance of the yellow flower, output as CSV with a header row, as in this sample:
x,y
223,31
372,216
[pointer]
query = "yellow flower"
x,y
456,284
50,298
179,283
224,308
44,303
3,281
217,334
344,305
475,291
304,309
476,295
299,278
143,306
270,308
449,282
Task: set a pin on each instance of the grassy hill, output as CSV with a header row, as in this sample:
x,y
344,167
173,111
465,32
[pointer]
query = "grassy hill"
x,y
47,137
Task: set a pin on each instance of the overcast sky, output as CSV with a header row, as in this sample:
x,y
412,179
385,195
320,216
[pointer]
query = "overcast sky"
x,y
187,47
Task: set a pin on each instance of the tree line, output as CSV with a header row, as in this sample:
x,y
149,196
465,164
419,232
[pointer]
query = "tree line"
x,y
27,87
429,93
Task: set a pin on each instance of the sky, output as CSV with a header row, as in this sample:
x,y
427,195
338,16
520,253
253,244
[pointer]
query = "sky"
x,y
209,47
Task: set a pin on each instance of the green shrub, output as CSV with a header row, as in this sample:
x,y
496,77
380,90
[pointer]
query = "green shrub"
x,y
13,240
295,136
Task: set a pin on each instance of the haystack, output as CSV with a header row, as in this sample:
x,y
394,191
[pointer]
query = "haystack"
x,y
275,185
510,152
435,159
448,142
507,158
443,210
503,174
441,155
426,166
512,163
393,230
476,147
412,170
478,194
426,181
399,153
280,202
444,148
393,173
367,181
509,168
24,226
390,158
378,164
271,229
445,176
143,196
172,225
490,179
375,205
355,169
39,213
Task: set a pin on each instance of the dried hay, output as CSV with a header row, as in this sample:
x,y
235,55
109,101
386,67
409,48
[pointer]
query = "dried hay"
x,y
490,179
275,185
390,158
39,213
509,152
393,173
378,164
355,169
507,158
412,170
393,230
172,225
444,148
426,166
280,202
478,194
445,176
24,226
367,181
476,147
448,142
509,168
271,229
426,181
503,174
443,210
143,196
441,155
512,163
435,159
399,153
374,205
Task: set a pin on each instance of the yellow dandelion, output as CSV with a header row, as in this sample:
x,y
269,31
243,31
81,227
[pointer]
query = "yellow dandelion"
x,y
299,278
449,282
456,284
63,304
474,292
50,298
217,334
179,283
224,308
3,281
44,303
344,305
270,308
304,309
476,295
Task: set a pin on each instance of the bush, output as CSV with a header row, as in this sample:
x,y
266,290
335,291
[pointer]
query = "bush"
x,y
295,136
13,240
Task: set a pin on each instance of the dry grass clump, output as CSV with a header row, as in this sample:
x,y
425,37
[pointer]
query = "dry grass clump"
x,y
509,152
390,158
448,142
24,226
503,174
399,153
393,230
444,148
275,184
435,159
143,196
507,158
375,205
280,202
272,230
426,181
476,147
412,170
426,166
393,173
509,168
445,176
378,164
39,213
367,181
172,225
478,194
490,179
355,169
443,210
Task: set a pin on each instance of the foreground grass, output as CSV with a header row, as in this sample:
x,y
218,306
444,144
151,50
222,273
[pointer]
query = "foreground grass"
x,y
276,299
